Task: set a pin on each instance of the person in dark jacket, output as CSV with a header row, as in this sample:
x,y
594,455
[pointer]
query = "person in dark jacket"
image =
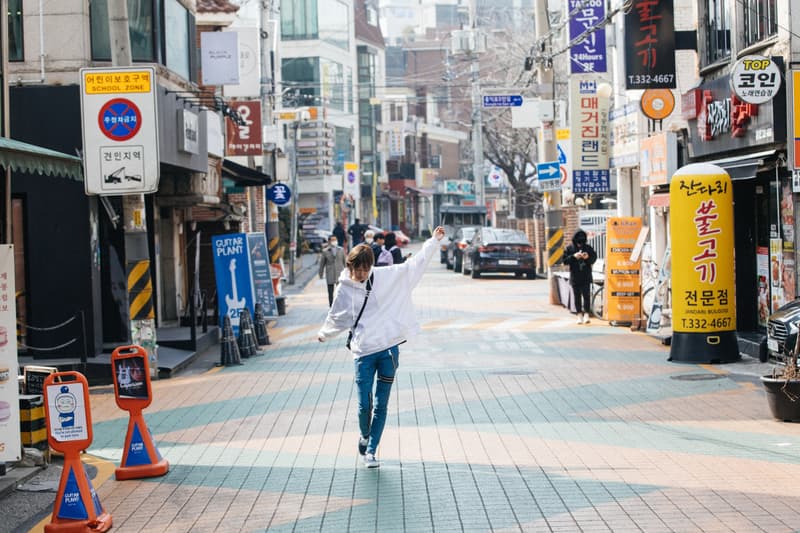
x,y
580,257
356,231
341,236
390,243
377,246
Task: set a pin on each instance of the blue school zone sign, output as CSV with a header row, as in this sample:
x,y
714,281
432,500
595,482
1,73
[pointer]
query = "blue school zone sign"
x,y
234,282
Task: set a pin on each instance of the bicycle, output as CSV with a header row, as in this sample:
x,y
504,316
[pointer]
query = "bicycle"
x,y
597,300
649,270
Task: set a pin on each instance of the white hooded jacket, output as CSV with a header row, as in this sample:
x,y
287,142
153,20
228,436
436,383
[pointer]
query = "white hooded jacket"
x,y
388,319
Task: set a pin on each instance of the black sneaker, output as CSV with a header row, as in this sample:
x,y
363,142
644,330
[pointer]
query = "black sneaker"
x,y
362,445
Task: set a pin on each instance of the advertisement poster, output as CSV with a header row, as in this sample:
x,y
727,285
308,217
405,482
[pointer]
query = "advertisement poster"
x,y
775,272
232,270
623,278
787,211
788,275
9,392
131,378
762,269
67,408
262,281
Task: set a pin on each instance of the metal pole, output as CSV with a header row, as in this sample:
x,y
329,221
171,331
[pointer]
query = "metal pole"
x,y
477,130
295,199
6,119
267,92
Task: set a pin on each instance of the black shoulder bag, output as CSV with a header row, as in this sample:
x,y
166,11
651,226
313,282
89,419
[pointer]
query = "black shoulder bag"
x,y
369,288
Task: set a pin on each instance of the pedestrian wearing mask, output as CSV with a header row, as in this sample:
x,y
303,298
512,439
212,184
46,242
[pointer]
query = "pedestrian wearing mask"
x,y
390,243
375,305
331,264
580,257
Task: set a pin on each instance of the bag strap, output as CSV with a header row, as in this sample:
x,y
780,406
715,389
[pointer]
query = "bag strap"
x,y
369,288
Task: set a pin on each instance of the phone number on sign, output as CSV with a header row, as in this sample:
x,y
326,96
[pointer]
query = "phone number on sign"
x,y
702,323
644,79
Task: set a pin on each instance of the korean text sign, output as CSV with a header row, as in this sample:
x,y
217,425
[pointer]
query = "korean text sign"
x,y
650,45
244,139
588,55
590,136
623,278
10,449
701,227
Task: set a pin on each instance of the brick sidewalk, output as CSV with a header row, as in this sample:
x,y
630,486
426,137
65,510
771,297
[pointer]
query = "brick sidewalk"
x,y
505,416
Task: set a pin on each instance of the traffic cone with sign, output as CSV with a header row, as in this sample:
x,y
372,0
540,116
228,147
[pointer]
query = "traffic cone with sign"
x,y
229,349
262,335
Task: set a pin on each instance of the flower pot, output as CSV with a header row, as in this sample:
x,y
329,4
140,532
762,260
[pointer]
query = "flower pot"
x,y
783,398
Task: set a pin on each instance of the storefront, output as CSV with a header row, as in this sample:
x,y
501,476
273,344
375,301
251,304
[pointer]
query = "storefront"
x,y
748,141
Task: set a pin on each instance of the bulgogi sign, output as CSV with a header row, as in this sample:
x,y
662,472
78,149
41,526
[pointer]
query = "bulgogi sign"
x,y
650,45
589,55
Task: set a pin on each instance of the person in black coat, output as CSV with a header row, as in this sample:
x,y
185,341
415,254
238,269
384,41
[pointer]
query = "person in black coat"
x,y
338,232
390,243
580,257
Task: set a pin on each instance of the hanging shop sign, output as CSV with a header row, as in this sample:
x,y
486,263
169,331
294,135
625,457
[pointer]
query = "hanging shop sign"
x,y
657,104
650,45
659,158
720,121
589,131
795,133
624,136
755,79
588,54
244,139
120,130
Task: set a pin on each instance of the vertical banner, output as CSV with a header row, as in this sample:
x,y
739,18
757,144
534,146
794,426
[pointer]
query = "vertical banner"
x,y
762,271
264,292
589,130
249,85
588,54
244,139
795,133
9,366
623,278
703,298
650,45
775,269
232,269
352,185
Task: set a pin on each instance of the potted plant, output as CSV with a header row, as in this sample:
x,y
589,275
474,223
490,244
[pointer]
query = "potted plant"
x,y
783,386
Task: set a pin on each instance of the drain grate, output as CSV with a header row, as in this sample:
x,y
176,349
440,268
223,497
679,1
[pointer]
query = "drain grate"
x,y
697,377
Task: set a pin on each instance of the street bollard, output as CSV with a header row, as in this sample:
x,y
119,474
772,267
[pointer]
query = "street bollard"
x,y
247,338
262,335
229,349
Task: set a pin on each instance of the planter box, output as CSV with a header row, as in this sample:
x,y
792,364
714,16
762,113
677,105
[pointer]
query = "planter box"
x,y
784,402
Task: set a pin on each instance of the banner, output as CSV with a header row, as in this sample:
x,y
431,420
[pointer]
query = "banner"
x,y
589,131
249,85
650,45
589,54
232,269
9,366
263,290
623,278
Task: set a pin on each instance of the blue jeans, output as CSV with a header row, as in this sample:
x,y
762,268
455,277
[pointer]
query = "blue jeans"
x,y
384,365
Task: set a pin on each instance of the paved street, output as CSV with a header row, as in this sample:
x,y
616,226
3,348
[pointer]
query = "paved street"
x,y
505,416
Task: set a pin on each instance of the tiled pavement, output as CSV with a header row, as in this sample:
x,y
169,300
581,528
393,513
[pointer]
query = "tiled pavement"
x,y
505,417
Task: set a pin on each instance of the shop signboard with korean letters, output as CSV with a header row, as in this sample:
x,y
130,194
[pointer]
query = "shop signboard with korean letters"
x,y
120,130
589,132
9,390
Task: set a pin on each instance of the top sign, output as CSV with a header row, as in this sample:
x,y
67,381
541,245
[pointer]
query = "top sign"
x,y
510,100
756,79
120,130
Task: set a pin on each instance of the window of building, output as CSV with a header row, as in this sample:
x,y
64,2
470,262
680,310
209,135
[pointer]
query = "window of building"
x,y
348,90
301,73
176,18
333,84
334,27
760,20
718,30
343,141
299,20
372,15
140,23
15,40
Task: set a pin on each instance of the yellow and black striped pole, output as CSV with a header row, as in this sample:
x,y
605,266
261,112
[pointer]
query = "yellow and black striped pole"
x,y
140,291
555,246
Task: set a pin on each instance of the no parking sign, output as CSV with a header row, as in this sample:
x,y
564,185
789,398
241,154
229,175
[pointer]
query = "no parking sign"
x,y
120,130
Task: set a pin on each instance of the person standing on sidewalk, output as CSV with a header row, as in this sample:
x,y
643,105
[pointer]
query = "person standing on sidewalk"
x,y
339,233
580,257
375,305
356,231
331,263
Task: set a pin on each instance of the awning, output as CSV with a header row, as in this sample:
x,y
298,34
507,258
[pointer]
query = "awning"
x,y
24,157
658,200
244,176
744,167
420,191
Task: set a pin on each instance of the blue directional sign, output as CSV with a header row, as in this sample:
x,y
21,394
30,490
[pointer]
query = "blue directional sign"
x,y
507,100
279,194
548,171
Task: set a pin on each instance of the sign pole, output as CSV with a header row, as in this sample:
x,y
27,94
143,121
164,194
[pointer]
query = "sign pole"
x,y
137,253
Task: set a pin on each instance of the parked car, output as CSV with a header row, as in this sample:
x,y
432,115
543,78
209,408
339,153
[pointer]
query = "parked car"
x,y
499,250
782,332
401,238
444,243
458,244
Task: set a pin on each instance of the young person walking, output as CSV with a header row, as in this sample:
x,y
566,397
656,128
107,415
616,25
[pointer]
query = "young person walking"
x,y
331,264
375,305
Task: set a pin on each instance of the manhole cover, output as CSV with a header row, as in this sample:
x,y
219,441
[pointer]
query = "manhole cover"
x,y
697,377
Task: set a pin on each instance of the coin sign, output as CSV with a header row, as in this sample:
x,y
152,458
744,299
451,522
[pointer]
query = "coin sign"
x,y
119,119
756,79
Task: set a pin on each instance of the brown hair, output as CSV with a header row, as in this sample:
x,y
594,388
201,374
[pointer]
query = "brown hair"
x,y
360,257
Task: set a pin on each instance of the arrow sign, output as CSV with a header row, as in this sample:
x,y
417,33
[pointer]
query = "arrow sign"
x,y
548,171
507,100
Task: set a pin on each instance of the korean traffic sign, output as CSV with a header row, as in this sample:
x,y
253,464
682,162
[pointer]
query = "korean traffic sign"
x,y
549,174
509,100
279,194
120,130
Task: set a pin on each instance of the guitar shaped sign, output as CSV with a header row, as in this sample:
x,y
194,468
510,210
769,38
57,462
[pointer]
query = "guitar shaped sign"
x,y
235,304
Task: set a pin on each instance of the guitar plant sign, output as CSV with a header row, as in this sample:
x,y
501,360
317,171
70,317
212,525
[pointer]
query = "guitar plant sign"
x,y
234,282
